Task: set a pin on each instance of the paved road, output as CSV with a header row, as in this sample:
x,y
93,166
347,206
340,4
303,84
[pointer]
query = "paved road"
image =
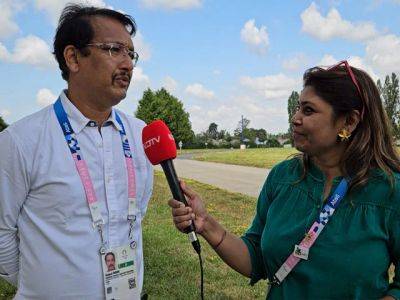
x,y
245,180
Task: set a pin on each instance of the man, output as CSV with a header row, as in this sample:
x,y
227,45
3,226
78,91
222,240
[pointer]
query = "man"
x,y
74,179
110,261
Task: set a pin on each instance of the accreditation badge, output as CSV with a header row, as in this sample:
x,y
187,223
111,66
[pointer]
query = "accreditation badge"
x,y
120,274
301,252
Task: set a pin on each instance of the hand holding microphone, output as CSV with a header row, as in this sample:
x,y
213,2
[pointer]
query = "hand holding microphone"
x,y
159,146
184,215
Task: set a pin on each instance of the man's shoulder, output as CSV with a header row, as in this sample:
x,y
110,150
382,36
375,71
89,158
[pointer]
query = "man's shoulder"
x,y
132,122
32,124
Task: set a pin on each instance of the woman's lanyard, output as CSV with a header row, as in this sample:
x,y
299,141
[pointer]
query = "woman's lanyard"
x,y
301,250
83,171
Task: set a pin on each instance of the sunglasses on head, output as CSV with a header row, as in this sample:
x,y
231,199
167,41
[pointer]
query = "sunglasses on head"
x,y
352,76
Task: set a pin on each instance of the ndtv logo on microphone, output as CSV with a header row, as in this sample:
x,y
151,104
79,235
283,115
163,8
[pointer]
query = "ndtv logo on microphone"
x,y
155,140
151,142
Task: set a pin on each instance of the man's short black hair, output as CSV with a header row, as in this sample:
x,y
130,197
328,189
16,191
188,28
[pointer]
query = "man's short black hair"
x,y
74,28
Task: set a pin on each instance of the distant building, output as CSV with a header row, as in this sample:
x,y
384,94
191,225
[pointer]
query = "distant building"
x,y
282,140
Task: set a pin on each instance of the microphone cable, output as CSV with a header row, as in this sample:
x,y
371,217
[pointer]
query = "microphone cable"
x,y
202,277
197,248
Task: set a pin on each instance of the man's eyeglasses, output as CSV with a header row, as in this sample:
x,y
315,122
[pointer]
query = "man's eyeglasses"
x,y
116,50
353,79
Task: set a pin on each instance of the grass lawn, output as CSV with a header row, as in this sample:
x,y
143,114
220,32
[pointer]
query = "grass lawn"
x,y
7,291
172,267
262,157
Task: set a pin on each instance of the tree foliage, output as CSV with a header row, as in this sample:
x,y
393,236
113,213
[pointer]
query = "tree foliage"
x,y
390,96
213,137
163,106
212,131
242,126
3,124
293,101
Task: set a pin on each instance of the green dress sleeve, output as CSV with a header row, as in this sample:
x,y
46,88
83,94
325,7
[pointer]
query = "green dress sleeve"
x,y
252,237
394,251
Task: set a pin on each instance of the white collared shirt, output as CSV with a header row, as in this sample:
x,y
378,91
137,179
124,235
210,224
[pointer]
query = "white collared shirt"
x,y
48,246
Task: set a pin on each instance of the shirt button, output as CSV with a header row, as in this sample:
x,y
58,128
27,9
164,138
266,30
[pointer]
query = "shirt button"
x,y
100,145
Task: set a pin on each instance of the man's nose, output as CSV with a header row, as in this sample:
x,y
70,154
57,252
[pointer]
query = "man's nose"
x,y
126,62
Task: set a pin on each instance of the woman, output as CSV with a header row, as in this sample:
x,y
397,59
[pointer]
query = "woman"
x,y
301,244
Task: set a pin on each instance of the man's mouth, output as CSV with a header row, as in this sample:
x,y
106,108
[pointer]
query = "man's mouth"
x,y
122,80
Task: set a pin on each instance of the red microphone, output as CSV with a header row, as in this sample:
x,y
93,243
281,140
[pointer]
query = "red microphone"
x,y
159,146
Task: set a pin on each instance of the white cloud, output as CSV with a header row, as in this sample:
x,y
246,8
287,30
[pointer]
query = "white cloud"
x,y
169,84
53,8
382,53
45,97
141,47
29,50
4,54
271,87
271,116
255,38
333,26
297,62
139,79
327,60
199,91
5,113
255,100
354,61
7,10
360,63
172,4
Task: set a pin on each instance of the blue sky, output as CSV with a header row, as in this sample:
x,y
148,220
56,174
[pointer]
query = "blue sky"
x,y
222,59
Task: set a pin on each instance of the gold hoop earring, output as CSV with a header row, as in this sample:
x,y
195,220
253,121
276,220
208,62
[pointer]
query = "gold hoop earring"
x,y
344,135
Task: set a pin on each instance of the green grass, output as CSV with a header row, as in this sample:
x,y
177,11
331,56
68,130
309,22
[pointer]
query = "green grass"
x,y
172,267
7,291
261,158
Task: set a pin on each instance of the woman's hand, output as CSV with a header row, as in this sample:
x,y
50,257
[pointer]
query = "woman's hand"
x,y
183,216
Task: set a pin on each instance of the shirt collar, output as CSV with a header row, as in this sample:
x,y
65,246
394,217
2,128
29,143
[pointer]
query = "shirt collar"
x,y
79,121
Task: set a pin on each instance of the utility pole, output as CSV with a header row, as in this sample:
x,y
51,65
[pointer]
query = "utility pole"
x,y
242,144
242,132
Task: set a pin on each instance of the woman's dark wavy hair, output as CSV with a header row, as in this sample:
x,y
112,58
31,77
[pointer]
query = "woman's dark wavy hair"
x,y
74,28
371,143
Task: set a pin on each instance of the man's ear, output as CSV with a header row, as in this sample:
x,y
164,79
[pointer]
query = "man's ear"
x,y
352,120
71,58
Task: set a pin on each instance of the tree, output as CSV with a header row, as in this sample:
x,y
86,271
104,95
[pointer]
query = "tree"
x,y
212,131
261,134
293,102
163,106
390,96
3,124
242,125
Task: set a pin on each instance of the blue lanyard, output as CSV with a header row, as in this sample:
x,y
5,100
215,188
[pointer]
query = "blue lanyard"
x,y
301,250
83,172
70,135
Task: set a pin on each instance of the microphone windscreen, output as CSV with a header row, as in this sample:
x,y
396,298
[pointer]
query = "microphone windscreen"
x,y
158,142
